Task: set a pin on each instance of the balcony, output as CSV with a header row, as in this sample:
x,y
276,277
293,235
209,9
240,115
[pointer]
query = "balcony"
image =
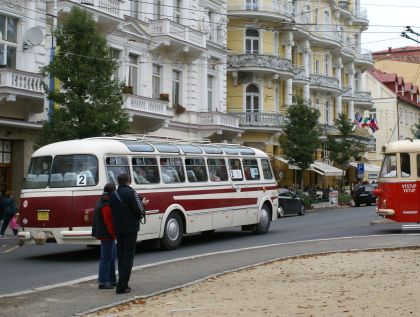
x,y
218,125
364,59
16,83
18,6
172,37
345,9
325,36
265,9
299,75
259,121
107,12
281,67
347,93
363,100
360,15
146,114
325,83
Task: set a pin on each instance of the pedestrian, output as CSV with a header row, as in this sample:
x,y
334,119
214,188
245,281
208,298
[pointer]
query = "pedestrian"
x,y
1,207
9,213
126,208
103,230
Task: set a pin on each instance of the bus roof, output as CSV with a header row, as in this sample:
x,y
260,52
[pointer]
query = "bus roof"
x,y
119,145
403,146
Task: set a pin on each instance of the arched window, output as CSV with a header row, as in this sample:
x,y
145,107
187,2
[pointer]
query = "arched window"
x,y
252,98
327,112
252,41
326,22
356,82
317,67
252,5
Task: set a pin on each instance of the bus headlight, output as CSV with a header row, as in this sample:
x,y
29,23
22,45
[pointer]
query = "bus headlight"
x,y
25,221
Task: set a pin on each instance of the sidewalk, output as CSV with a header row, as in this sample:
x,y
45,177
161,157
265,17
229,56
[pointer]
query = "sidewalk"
x,y
74,299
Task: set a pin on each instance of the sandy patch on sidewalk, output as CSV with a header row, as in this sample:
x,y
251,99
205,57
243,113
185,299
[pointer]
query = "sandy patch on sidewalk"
x,y
370,283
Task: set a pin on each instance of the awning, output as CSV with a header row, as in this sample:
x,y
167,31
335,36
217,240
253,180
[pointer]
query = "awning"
x,y
283,160
370,168
325,169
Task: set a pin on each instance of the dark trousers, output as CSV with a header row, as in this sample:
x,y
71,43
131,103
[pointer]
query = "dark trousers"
x,y
126,248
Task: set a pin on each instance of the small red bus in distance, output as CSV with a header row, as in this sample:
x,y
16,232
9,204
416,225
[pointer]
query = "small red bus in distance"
x,y
191,187
399,182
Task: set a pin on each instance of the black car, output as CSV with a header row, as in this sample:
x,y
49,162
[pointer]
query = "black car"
x,y
290,204
363,194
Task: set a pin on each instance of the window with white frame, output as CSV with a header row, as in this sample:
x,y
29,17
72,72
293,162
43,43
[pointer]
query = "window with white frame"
x,y
327,22
134,9
176,87
8,41
157,7
317,67
251,5
133,72
327,112
177,4
356,82
252,98
210,79
252,41
327,65
156,80
115,55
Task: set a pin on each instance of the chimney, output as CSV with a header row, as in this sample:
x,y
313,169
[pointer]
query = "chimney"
x,y
389,49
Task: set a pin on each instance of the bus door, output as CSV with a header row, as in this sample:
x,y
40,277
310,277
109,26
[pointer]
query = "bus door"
x,y
406,191
239,211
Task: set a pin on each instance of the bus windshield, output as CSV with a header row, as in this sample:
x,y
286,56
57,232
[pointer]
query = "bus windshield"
x,y
65,171
389,166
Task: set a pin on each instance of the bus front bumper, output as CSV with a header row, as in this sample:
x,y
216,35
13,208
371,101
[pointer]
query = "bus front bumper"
x,y
385,212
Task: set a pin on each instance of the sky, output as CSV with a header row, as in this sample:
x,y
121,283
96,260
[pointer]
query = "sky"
x,y
387,19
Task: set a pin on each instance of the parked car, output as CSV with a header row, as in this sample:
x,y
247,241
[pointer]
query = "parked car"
x,y
363,194
290,204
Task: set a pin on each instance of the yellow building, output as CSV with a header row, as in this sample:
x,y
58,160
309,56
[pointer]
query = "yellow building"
x,y
278,49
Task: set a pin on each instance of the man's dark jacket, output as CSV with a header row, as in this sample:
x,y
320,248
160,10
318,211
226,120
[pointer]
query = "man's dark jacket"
x,y
125,213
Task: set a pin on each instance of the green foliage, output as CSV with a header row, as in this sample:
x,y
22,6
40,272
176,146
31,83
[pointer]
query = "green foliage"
x,y
301,134
343,198
89,99
416,131
308,201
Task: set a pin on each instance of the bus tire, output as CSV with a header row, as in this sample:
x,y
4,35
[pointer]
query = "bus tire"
x,y
172,235
264,223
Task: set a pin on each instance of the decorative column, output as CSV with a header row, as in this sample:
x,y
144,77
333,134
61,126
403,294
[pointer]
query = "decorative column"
x,y
351,110
338,99
351,84
306,51
288,40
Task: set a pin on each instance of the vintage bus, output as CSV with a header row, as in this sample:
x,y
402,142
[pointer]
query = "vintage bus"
x,y
191,187
399,182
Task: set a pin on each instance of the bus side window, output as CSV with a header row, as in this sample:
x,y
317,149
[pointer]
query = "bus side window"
x,y
196,170
172,170
145,170
418,165
235,170
217,170
116,166
405,165
251,169
266,169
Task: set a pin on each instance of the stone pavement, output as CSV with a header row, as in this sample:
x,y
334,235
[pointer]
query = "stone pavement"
x,y
82,297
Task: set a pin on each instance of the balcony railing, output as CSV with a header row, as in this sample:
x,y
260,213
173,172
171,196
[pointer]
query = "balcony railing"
x,y
299,73
347,91
367,56
146,105
270,62
218,119
259,119
25,81
324,81
363,96
361,13
111,7
280,7
344,4
17,5
326,32
177,31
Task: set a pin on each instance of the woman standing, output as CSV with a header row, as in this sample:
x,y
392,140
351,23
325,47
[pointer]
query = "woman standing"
x,y
103,230
9,212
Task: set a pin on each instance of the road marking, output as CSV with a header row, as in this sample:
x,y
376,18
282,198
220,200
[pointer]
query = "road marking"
x,y
140,267
11,249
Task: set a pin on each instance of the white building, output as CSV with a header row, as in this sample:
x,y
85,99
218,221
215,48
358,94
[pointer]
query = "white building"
x,y
168,49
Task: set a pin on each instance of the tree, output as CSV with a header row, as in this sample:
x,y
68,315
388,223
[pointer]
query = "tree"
x,y
301,135
89,100
344,147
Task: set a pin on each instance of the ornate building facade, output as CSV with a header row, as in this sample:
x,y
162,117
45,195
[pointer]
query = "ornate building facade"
x,y
280,49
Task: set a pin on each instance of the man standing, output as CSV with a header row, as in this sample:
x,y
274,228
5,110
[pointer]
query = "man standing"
x,y
126,215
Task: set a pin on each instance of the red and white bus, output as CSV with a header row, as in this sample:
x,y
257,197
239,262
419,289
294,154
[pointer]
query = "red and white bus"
x,y
192,187
399,182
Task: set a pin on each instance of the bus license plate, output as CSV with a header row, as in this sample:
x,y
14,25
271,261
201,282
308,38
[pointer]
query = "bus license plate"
x,y
43,216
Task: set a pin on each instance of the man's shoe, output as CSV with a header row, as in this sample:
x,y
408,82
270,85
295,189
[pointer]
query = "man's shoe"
x,y
122,291
106,286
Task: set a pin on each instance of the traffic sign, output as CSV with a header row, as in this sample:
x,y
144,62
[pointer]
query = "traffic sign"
x,y
360,168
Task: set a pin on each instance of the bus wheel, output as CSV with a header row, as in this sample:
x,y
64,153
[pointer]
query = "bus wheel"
x,y
172,236
264,224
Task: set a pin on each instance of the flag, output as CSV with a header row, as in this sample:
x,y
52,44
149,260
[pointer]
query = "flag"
x,y
358,119
374,125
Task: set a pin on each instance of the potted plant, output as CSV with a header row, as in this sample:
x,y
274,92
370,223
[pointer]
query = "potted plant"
x,y
164,97
179,109
128,90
